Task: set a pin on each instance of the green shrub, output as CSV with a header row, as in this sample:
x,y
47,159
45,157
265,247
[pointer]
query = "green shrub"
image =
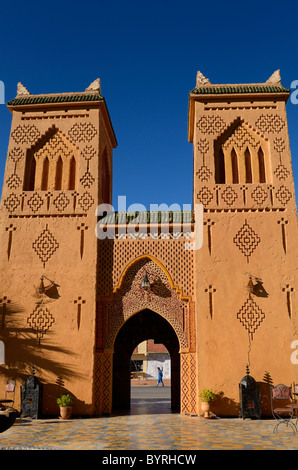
x,y
65,400
208,395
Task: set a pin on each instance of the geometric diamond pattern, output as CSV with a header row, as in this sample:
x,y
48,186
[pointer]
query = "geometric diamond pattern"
x,y
247,240
35,202
251,316
281,172
259,195
82,132
11,202
45,245
229,195
25,134
283,195
13,181
204,196
61,202
86,201
87,179
40,320
204,173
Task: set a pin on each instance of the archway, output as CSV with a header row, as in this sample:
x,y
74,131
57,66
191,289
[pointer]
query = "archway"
x,y
143,325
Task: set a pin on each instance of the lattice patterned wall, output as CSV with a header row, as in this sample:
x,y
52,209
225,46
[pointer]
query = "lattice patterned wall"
x,y
161,298
115,256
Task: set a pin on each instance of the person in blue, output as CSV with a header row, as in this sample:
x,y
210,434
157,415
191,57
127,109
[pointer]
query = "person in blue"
x,y
159,378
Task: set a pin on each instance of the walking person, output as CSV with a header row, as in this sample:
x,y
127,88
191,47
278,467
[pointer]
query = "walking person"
x,y
159,378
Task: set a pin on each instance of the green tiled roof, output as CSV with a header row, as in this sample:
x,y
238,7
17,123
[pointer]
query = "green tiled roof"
x,y
218,90
54,99
146,217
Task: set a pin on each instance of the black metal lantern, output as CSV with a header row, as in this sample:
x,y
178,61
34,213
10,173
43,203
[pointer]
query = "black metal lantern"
x,y
31,397
249,397
145,282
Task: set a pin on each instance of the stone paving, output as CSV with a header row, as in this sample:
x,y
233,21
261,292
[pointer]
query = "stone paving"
x,y
149,425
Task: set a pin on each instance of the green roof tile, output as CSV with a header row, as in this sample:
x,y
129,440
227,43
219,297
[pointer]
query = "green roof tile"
x,y
218,90
54,99
153,217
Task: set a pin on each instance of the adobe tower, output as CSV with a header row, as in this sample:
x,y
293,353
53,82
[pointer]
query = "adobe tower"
x,y
58,169
246,272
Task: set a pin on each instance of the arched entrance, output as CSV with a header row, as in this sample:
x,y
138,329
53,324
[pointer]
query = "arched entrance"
x,y
141,326
132,314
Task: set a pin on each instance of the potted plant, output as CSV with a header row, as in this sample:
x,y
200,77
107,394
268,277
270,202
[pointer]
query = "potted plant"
x,y
207,396
65,403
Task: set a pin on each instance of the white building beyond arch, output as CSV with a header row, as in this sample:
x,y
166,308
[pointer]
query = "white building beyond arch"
x,y
2,353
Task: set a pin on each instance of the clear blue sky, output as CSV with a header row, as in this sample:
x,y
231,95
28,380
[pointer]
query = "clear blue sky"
x,y
147,55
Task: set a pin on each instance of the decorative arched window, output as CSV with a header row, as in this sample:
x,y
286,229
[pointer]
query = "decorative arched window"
x,y
235,172
261,159
248,172
51,164
59,174
220,174
45,175
72,174
30,174
241,156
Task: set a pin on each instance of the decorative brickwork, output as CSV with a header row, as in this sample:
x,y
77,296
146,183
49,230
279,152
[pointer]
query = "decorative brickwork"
x,y
45,245
116,256
251,316
161,298
270,123
26,134
211,125
40,321
82,132
247,240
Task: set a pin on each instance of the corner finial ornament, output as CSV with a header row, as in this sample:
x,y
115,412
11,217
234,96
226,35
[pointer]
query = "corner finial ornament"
x,y
22,90
94,87
201,80
275,78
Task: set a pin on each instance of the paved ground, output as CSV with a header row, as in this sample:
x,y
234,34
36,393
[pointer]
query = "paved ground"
x,y
149,425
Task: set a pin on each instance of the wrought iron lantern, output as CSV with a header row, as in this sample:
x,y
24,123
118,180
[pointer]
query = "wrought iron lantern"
x,y
31,393
145,282
249,397
250,286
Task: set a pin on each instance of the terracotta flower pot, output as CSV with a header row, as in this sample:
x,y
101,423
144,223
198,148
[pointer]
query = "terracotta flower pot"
x,y
65,412
205,408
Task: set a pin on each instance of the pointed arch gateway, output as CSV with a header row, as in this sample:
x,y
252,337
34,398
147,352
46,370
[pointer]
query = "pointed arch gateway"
x,y
131,315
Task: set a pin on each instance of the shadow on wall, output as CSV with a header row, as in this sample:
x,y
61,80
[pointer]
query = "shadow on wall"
x,y
225,406
264,388
23,351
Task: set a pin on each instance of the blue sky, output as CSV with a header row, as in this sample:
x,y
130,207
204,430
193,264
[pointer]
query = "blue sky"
x,y
147,55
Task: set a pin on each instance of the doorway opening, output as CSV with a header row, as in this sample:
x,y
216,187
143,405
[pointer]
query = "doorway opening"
x,y
141,327
147,357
